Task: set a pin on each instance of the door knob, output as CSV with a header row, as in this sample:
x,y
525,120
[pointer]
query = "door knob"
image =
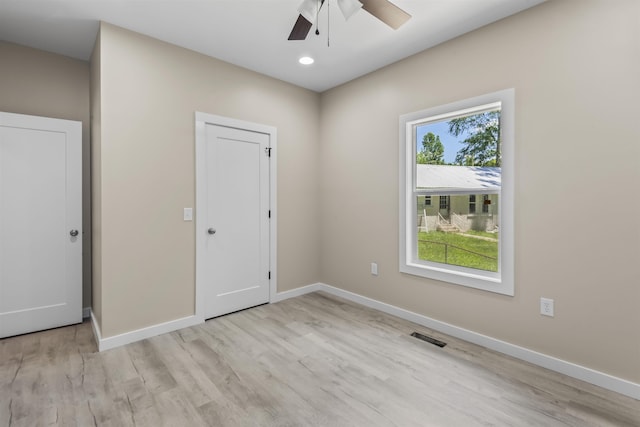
x,y
211,231
73,233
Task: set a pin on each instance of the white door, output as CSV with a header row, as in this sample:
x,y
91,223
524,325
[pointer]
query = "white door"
x,y
236,224
40,223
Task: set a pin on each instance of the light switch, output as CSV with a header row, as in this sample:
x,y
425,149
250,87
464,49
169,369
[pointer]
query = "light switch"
x,y
188,214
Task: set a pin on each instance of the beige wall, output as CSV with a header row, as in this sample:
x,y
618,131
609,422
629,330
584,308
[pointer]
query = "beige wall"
x,y
150,91
575,67
39,83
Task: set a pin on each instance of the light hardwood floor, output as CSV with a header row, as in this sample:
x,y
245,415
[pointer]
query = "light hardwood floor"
x,y
314,360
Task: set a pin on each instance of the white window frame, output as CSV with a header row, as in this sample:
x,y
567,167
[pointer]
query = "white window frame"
x,y
501,282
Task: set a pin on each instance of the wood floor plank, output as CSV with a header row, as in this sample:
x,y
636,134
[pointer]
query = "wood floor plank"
x,y
147,362
314,360
196,386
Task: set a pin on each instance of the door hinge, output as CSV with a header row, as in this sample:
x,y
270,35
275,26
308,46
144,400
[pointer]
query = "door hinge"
x,y
268,151
269,275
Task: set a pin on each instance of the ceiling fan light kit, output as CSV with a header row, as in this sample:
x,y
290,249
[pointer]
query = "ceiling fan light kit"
x,y
309,9
384,10
349,7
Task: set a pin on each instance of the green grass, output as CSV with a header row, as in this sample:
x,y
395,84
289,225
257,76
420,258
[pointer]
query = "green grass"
x,y
455,249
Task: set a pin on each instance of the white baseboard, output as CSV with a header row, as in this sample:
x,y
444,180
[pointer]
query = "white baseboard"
x,y
140,334
281,296
162,328
589,375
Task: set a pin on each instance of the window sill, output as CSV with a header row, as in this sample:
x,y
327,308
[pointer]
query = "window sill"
x,y
471,278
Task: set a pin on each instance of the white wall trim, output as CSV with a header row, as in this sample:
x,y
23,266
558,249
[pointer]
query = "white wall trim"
x,y
281,296
273,206
589,375
140,334
185,322
96,329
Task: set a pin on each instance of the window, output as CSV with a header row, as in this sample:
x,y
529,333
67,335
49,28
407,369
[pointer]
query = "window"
x,y
427,200
456,152
444,202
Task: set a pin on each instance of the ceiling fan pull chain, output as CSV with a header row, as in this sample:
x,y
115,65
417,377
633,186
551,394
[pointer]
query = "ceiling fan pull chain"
x,y
317,17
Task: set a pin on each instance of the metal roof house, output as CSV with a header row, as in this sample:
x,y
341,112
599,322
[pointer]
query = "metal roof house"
x,y
467,198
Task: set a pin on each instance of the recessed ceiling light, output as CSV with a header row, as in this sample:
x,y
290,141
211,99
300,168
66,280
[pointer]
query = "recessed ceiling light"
x,y
306,60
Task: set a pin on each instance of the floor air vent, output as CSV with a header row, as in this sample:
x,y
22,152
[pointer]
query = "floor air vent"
x,y
428,339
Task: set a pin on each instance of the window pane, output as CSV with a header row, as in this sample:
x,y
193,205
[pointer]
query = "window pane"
x,y
455,237
466,140
458,159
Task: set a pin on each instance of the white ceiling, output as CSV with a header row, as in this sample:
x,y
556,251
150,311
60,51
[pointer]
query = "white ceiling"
x,y
253,33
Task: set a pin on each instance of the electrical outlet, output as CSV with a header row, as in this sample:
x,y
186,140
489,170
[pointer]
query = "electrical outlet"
x,y
546,307
374,268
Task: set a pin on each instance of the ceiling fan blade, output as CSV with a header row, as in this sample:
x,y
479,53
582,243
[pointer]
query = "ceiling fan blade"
x,y
387,12
303,25
300,29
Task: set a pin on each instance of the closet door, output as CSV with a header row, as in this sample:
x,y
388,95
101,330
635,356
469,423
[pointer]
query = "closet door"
x,y
236,218
40,223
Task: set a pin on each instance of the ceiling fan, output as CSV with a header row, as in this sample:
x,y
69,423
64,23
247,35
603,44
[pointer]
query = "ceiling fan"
x,y
384,10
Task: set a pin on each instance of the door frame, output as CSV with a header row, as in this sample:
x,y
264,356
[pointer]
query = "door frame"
x,y
201,120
